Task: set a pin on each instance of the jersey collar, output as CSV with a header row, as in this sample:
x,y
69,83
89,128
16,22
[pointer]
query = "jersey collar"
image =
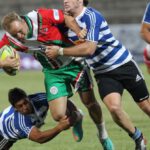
x,y
81,14
30,26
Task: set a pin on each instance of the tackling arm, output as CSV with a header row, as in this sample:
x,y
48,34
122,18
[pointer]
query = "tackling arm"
x,y
71,23
45,136
84,49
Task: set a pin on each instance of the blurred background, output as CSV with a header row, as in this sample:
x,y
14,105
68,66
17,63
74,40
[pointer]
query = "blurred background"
x,y
123,16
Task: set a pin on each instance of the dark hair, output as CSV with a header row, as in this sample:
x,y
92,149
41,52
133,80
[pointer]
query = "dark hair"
x,y
85,2
15,95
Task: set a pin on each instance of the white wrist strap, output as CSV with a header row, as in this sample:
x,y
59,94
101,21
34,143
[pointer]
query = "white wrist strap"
x,y
61,51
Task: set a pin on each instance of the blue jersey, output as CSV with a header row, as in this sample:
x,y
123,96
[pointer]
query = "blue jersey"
x,y
110,53
14,125
146,17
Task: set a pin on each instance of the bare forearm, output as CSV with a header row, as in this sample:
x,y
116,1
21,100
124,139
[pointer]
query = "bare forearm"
x,y
72,24
44,136
84,49
49,135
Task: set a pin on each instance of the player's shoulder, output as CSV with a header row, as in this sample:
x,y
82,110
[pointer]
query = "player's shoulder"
x,y
93,11
8,113
43,11
41,96
10,109
147,10
94,14
148,5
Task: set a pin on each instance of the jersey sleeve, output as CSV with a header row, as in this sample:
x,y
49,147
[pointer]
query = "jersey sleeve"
x,y
54,16
39,99
4,41
146,17
25,125
93,27
9,40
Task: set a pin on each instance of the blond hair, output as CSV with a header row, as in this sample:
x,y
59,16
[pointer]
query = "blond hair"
x,y
8,19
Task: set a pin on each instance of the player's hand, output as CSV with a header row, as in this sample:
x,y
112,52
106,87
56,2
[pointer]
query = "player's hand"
x,y
52,51
11,62
68,19
82,34
64,123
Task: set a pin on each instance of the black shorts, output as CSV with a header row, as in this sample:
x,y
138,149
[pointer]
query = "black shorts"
x,y
127,76
5,144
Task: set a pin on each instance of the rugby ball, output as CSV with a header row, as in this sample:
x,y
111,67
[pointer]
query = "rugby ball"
x,y
9,51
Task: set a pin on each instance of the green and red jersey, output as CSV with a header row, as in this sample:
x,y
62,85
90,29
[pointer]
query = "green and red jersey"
x,y
43,29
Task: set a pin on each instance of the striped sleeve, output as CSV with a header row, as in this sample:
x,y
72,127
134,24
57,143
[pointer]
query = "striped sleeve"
x,y
38,97
94,22
146,17
25,125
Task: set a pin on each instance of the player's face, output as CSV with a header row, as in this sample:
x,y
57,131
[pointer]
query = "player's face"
x,y
19,30
24,107
71,6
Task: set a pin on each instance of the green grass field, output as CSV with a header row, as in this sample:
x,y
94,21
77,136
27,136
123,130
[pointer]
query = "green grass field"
x,y
33,82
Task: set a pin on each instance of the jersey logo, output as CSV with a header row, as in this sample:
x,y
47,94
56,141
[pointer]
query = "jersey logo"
x,y
54,90
56,14
138,78
43,30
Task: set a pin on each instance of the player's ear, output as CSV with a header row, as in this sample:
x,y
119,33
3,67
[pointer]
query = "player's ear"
x,y
15,107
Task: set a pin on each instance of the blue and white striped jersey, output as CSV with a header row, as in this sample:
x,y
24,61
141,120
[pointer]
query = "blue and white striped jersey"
x,y
146,17
14,125
110,53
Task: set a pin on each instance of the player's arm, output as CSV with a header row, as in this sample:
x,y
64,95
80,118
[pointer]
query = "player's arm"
x,y
87,48
84,49
56,16
145,32
45,136
71,23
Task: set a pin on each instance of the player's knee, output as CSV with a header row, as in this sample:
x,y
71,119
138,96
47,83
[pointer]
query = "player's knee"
x,y
58,116
145,106
92,105
115,109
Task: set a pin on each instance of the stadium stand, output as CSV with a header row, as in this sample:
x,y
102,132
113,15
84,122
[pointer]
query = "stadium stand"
x,y
121,11
116,11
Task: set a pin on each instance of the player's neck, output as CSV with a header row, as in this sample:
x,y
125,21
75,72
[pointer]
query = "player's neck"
x,y
77,12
